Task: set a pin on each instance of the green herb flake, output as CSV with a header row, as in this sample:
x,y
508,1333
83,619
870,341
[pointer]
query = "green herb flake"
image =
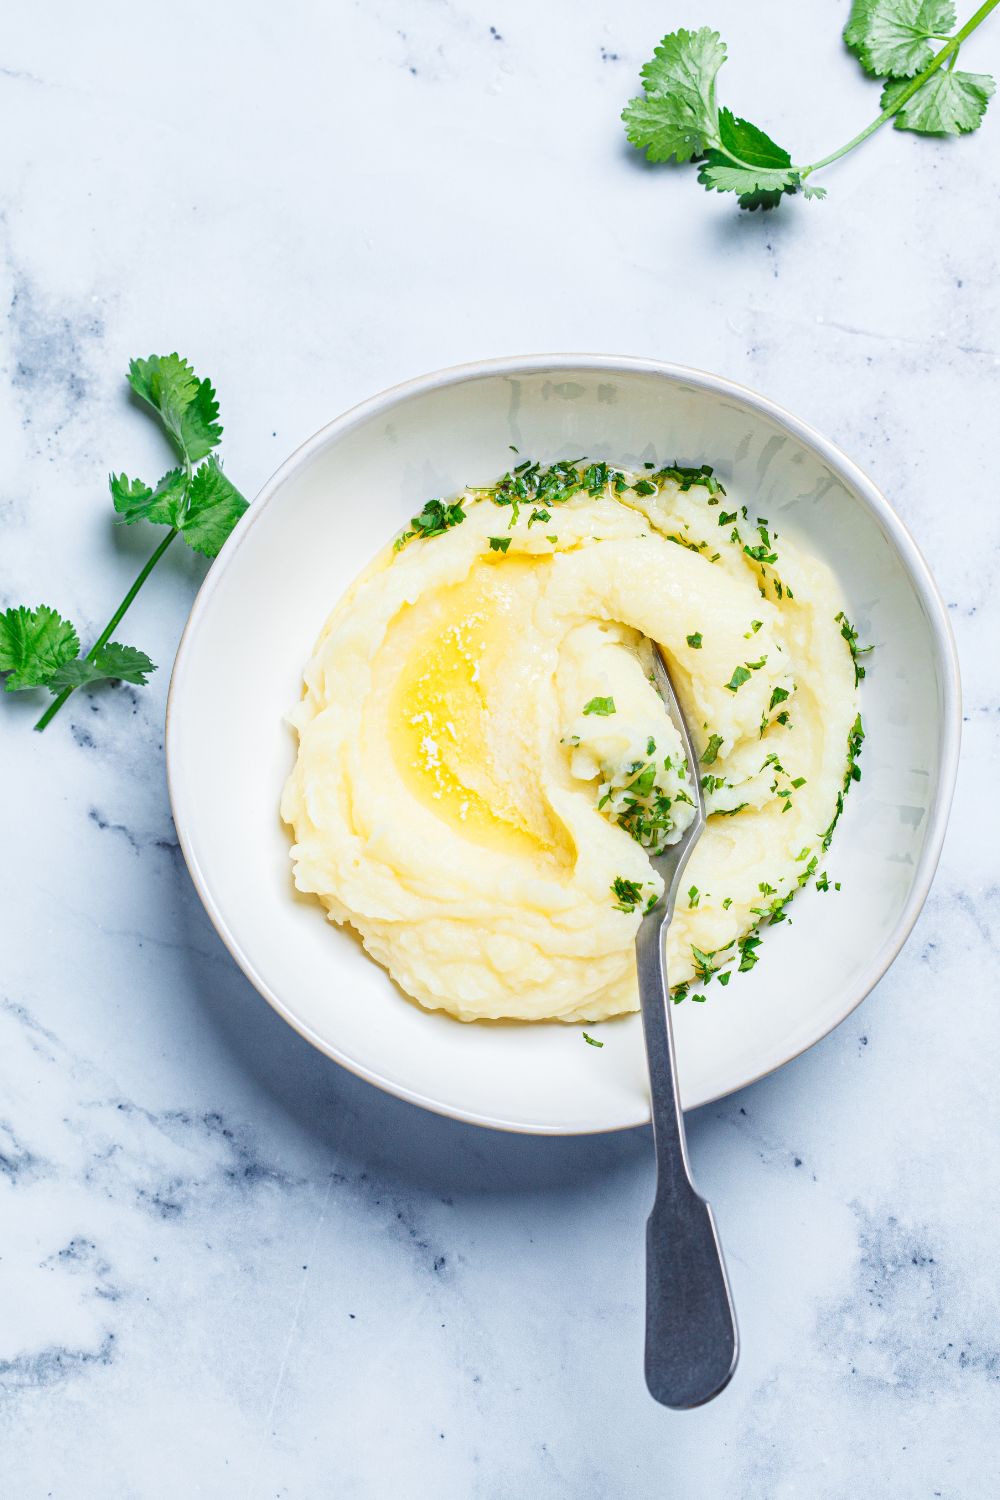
x,y
694,641
627,893
603,707
850,635
739,677
711,751
499,543
591,1040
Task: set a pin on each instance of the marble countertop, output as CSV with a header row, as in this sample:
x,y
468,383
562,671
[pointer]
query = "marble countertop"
x,y
227,1268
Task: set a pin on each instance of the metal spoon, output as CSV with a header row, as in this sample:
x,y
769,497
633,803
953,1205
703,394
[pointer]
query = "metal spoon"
x,y
691,1341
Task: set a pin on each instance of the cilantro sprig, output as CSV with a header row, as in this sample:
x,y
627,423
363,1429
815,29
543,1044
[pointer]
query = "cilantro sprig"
x,y
677,116
195,501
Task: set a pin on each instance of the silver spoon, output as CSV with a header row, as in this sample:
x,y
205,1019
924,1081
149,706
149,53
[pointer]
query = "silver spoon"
x,y
691,1341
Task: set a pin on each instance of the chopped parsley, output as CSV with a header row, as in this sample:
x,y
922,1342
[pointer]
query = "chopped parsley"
x,y
601,706
710,753
703,966
694,641
435,519
627,893
597,478
748,951
762,553
739,677
855,740
592,1041
687,478
694,896
642,807
499,543
850,635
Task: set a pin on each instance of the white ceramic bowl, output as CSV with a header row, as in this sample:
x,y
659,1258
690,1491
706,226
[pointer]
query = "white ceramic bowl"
x,y
312,528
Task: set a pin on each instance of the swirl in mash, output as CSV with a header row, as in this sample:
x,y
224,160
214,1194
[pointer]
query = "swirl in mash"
x,y
484,765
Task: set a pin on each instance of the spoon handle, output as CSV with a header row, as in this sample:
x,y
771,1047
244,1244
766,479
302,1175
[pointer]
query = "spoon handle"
x,y
691,1339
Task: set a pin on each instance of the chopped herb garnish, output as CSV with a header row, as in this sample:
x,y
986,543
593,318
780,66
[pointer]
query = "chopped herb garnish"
x,y
850,635
644,487
593,1042
694,641
694,897
628,893
703,966
499,543
748,952
710,753
601,706
686,479
739,677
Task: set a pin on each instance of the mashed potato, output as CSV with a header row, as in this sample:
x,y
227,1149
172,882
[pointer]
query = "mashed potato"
x,y
484,766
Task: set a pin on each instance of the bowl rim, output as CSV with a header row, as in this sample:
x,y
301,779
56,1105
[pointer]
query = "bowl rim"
x,y
535,364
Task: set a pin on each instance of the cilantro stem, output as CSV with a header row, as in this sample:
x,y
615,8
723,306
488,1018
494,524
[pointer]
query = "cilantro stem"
x,y
948,51
114,622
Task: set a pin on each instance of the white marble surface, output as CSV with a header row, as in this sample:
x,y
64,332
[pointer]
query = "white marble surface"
x,y
228,1269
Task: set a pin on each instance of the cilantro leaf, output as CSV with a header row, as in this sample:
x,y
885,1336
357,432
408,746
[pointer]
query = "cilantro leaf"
x,y
121,663
201,430
214,507
749,163
601,706
34,643
135,501
186,405
947,104
676,115
892,38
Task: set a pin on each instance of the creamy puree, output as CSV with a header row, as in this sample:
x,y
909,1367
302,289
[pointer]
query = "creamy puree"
x,y
484,765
